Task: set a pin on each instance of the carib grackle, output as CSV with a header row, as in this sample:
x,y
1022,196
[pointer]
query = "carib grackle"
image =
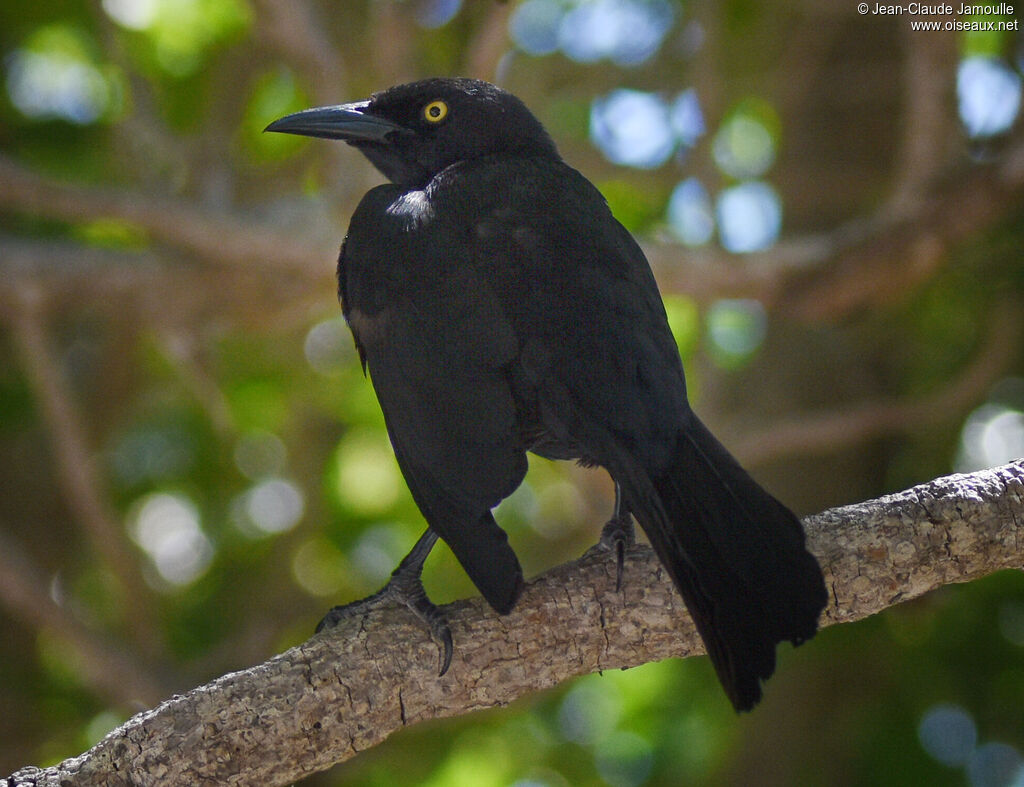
x,y
500,308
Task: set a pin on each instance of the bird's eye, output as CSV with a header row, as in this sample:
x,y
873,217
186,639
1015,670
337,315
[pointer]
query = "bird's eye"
x,y
435,111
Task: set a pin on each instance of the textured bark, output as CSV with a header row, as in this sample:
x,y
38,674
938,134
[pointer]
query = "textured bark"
x,y
340,693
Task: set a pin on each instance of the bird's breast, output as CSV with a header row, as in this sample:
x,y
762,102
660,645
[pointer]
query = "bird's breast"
x,y
500,226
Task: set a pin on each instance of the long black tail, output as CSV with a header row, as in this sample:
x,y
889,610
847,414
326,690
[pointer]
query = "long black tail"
x,y
737,556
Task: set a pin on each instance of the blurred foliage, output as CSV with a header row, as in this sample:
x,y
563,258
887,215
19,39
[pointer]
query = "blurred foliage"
x,y
242,453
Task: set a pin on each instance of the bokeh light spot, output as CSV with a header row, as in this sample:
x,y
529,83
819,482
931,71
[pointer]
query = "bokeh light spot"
x,y
684,322
749,217
736,326
100,724
534,26
992,435
995,765
274,505
328,346
628,32
259,454
632,128
366,476
132,14
167,528
743,147
988,93
948,733
590,712
1011,622
624,759
53,78
560,507
319,567
687,118
690,213
179,32
152,453
378,551
432,14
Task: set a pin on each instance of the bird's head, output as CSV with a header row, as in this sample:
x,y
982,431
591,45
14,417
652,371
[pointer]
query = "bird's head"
x,y
412,132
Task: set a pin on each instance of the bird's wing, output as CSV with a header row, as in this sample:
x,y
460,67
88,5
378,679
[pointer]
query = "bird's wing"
x,y
596,355
437,347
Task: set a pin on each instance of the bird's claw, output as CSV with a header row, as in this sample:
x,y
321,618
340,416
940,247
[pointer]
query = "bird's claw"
x,y
407,590
618,535
339,613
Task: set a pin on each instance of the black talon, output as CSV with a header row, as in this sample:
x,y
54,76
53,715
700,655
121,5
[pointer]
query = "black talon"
x,y
406,587
618,534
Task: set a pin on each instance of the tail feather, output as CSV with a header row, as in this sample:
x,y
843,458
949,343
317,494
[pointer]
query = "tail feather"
x,y
486,556
737,556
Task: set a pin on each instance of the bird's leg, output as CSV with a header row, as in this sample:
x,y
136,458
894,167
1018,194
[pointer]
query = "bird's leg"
x,y
406,587
618,534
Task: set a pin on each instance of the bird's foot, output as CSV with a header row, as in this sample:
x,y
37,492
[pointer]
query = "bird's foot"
x,y
407,589
618,535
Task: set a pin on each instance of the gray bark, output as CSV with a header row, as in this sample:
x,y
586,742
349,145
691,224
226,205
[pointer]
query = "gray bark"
x,y
347,690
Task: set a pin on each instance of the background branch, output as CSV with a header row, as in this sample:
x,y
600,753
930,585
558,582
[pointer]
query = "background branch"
x,y
109,670
220,239
77,473
336,695
296,32
814,278
834,430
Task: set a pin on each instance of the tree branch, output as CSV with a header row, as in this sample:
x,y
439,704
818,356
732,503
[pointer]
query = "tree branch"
x,y
64,276
862,263
218,238
328,699
928,132
815,432
815,278
107,668
294,30
79,478
489,43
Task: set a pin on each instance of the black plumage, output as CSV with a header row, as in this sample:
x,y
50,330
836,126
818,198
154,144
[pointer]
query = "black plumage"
x,y
500,308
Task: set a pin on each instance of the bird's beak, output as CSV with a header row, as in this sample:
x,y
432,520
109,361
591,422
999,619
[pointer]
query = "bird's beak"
x,y
350,122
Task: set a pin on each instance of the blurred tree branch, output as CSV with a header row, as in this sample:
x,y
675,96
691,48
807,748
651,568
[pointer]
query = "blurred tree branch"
x,y
102,665
811,432
489,43
77,473
862,263
928,123
814,278
328,699
296,32
215,239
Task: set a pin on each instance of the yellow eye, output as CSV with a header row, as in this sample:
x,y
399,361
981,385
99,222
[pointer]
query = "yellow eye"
x,y
435,111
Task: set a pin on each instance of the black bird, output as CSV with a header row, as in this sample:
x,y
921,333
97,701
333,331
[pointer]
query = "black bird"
x,y
500,308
